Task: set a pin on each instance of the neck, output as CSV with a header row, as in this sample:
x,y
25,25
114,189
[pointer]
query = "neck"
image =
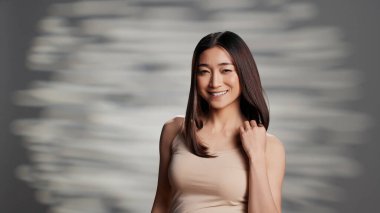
x,y
226,119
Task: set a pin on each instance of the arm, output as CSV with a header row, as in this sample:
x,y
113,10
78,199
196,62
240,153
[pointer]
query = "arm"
x,y
266,155
163,193
266,175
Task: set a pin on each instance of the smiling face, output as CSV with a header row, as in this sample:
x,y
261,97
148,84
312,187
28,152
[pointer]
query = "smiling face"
x,y
217,78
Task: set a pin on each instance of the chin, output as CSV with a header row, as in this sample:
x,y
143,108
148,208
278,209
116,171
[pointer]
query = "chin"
x,y
218,105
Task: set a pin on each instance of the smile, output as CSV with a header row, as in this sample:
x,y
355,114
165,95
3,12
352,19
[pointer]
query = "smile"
x,y
218,93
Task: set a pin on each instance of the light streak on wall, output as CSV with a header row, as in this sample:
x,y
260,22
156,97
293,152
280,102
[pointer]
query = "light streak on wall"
x,y
120,69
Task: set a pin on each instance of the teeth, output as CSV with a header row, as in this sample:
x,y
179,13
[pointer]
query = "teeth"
x,y
219,93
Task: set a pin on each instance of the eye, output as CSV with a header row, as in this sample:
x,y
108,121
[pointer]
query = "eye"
x,y
201,72
226,70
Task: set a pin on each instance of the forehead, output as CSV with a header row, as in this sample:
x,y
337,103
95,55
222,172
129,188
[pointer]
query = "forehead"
x,y
215,55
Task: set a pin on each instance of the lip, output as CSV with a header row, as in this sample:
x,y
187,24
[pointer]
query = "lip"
x,y
219,96
217,91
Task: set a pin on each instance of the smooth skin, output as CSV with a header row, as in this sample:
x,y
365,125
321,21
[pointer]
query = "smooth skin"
x,y
225,128
163,193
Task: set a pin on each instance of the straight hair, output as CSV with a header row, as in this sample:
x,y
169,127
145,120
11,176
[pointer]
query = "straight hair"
x,y
252,103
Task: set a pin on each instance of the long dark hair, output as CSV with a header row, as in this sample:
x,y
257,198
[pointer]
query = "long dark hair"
x,y
252,103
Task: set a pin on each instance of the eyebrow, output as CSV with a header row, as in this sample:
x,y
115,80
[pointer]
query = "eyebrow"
x,y
220,64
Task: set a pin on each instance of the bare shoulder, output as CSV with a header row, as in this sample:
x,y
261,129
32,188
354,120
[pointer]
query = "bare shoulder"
x,y
276,162
170,130
275,147
175,122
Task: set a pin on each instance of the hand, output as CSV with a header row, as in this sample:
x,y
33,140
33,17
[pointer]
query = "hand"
x,y
253,138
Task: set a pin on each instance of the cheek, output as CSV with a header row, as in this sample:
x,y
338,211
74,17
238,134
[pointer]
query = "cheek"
x,y
199,88
234,82
201,83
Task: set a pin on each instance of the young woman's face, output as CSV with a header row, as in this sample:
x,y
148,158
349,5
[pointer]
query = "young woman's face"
x,y
217,79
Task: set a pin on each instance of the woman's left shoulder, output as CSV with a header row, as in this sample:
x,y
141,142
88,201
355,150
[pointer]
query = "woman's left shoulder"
x,y
275,160
274,145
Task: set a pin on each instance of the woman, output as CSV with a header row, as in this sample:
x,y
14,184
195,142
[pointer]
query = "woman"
x,y
219,157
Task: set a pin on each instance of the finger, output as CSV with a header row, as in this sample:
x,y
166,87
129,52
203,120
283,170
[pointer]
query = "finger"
x,y
253,123
260,124
247,126
241,129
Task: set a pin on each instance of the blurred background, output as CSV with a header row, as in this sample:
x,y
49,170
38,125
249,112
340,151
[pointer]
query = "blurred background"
x,y
87,85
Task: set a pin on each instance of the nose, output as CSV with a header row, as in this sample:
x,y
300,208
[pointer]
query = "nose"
x,y
215,80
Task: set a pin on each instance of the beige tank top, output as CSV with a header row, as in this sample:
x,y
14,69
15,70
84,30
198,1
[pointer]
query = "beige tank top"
x,y
207,184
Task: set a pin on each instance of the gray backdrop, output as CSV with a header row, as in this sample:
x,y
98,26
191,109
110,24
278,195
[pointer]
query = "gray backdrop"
x,y
358,29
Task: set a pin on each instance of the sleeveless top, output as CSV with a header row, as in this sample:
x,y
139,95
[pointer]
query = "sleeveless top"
x,y
207,184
